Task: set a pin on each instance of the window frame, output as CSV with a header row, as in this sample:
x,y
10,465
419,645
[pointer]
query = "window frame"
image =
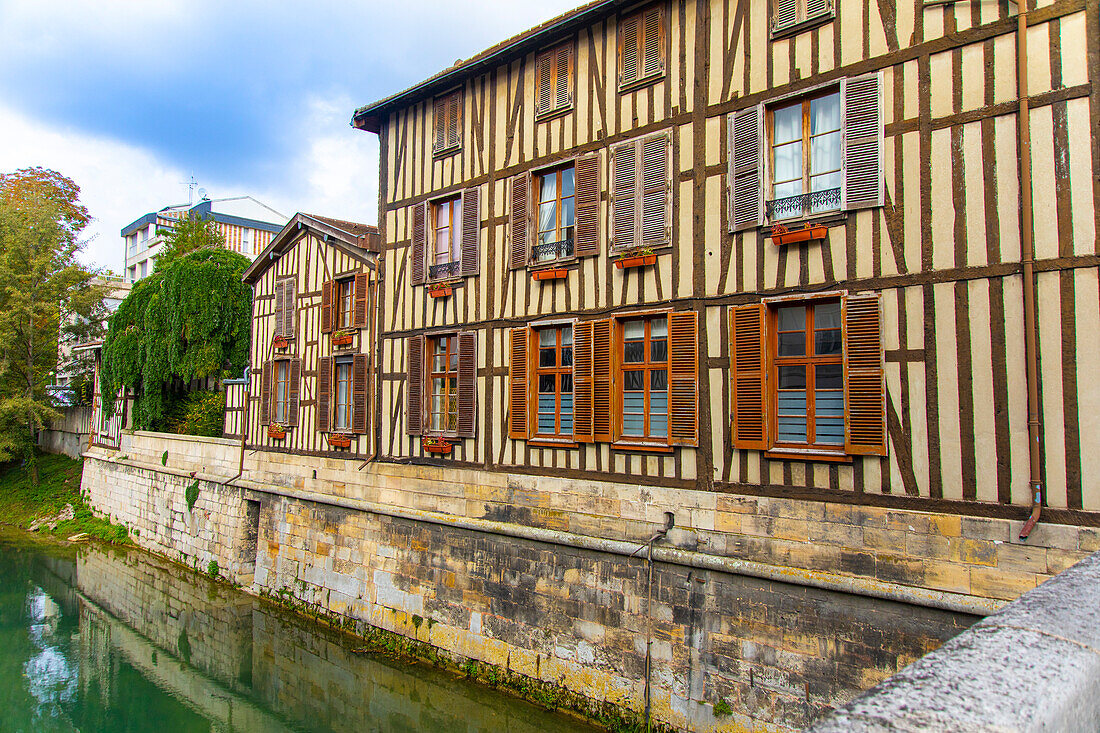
x,y
449,376
643,79
344,317
646,366
558,371
345,362
453,264
805,100
280,370
536,196
555,109
803,20
441,105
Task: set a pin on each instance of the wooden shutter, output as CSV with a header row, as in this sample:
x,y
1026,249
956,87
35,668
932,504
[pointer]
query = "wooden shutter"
x,y
863,132
324,394
520,225
361,288
683,379
653,51
624,208
582,381
864,377
265,393
454,117
746,180
519,343
414,385
654,191
359,392
563,78
327,288
817,8
467,383
544,83
290,308
294,392
280,306
629,29
471,228
586,237
784,13
419,242
439,123
603,422
748,371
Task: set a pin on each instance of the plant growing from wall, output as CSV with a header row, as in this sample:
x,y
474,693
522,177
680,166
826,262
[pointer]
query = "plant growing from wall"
x,y
191,495
189,321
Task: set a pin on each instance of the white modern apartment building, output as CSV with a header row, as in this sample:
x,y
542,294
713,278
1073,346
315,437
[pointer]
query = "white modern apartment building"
x,y
247,224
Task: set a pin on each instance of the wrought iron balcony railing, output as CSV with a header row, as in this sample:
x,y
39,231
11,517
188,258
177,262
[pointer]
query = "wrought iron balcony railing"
x,y
553,250
803,204
444,270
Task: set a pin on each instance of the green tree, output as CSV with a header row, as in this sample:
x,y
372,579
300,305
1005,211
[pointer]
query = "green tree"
x,y
41,283
189,235
187,321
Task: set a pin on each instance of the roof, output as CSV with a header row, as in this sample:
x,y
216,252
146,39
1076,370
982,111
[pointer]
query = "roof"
x,y
204,209
370,117
360,241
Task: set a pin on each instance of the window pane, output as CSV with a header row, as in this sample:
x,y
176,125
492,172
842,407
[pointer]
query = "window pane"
x,y
829,376
634,351
547,190
827,315
548,337
548,357
548,217
658,415
567,356
658,350
634,329
443,246
634,379
567,385
792,318
437,389
792,430
792,344
829,403
567,215
824,114
829,431
453,366
787,123
658,380
567,182
633,417
567,413
567,336
792,377
658,328
442,215
547,382
827,342
825,153
788,167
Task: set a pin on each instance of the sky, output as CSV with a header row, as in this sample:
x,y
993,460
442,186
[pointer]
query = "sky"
x,y
133,98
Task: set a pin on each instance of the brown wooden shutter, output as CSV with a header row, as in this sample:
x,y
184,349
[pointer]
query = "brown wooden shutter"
x,y
624,177
563,79
519,342
439,122
520,225
467,383
265,393
748,372
359,392
784,13
324,394
629,29
295,391
864,376
414,385
290,308
654,191
582,381
280,306
327,288
544,83
362,287
471,228
653,60
683,373
816,8
454,119
419,242
863,132
746,180
586,240
603,421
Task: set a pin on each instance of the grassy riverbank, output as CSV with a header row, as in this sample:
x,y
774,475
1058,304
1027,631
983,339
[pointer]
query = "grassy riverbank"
x,y
21,503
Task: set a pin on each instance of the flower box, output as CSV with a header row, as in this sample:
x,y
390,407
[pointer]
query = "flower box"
x,y
342,339
440,291
436,445
339,441
280,342
629,261
276,432
781,235
556,273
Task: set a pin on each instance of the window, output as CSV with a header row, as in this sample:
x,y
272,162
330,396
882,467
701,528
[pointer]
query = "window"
x,y
342,416
443,381
447,118
246,241
286,307
556,215
446,252
554,382
282,390
345,303
807,376
445,237
279,391
805,157
133,274
645,378
441,384
144,267
792,15
641,47
640,200
554,80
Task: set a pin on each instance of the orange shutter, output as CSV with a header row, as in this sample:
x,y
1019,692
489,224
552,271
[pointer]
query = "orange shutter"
x,y
324,394
629,29
265,393
519,339
603,423
467,383
326,305
419,241
544,83
521,220
864,376
359,391
362,285
414,385
280,306
683,373
587,233
563,77
471,228
653,51
290,308
294,392
582,381
749,376
624,199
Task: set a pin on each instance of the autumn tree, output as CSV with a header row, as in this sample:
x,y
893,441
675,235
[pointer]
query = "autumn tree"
x,y
41,284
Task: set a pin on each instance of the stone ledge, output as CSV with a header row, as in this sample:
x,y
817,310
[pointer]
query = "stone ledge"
x,y
1033,666
231,442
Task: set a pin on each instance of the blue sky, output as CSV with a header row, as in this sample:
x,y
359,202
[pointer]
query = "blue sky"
x,y
130,98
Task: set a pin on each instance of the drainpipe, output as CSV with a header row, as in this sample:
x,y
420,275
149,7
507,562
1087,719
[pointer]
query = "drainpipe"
x,y
1031,353
244,424
670,522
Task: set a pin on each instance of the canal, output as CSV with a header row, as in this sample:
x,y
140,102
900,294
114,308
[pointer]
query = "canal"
x,y
110,639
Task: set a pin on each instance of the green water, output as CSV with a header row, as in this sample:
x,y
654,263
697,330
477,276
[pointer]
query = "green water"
x,y
103,639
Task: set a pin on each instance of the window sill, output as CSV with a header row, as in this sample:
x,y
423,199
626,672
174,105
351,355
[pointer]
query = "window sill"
x,y
550,443
825,219
808,454
446,152
642,447
553,114
802,26
534,266
641,83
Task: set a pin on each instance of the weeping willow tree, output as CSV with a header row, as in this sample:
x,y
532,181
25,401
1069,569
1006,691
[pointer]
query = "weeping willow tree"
x,y
188,321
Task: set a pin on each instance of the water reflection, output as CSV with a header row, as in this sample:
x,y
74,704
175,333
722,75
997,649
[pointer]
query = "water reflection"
x,y
114,640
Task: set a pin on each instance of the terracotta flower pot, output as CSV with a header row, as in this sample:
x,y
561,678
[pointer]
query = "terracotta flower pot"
x,y
275,432
441,447
625,263
557,273
280,342
809,234
339,441
440,292
343,340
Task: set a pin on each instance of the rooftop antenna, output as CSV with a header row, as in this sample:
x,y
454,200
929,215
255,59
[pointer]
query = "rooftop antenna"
x,y
191,186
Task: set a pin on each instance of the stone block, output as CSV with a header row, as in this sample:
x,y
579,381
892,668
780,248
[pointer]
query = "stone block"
x,y
1088,539
891,540
984,528
947,576
1060,560
973,552
1022,558
996,583
1060,536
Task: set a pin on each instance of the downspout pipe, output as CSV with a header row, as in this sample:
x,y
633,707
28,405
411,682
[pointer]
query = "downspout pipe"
x,y
670,522
1027,258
